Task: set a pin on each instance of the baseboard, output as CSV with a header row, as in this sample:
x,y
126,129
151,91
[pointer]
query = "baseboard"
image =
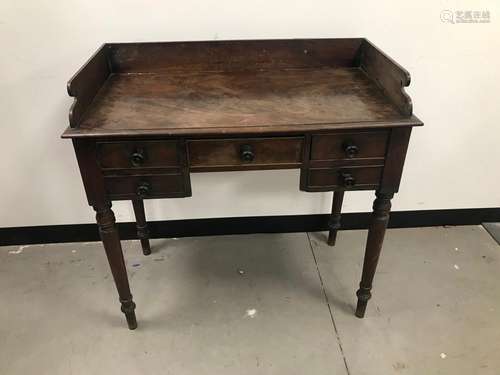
x,y
244,225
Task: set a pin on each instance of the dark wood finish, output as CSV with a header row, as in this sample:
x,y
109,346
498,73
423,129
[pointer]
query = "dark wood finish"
x,y
146,186
232,55
306,161
251,87
391,77
86,83
395,159
334,221
93,182
241,130
146,115
349,146
231,99
141,224
376,232
344,178
111,241
244,153
347,163
148,154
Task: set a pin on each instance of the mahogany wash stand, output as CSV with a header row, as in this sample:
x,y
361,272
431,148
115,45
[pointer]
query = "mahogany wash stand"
x,y
146,115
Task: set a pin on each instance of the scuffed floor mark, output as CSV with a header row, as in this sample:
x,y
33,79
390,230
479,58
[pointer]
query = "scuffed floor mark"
x,y
19,250
487,259
399,366
251,313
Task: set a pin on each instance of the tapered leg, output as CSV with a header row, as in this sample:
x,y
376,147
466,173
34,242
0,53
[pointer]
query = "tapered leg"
x,y
111,240
142,225
376,232
334,222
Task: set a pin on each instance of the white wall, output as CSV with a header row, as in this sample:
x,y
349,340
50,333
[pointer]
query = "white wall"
x,y
452,162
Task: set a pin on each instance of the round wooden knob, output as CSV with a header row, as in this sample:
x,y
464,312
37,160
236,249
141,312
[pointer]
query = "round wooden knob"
x,y
143,190
138,157
246,153
348,179
350,149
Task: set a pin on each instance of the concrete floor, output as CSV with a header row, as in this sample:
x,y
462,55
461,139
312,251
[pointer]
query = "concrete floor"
x,y
256,304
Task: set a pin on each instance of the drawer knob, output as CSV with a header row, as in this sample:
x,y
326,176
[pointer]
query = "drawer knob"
x,y
246,153
143,190
350,149
348,179
138,157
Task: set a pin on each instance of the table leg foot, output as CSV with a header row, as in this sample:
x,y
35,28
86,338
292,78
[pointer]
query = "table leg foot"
x,y
146,247
128,308
364,295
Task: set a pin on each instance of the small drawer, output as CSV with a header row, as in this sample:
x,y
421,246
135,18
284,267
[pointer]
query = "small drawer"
x,y
147,186
347,178
137,154
339,146
246,153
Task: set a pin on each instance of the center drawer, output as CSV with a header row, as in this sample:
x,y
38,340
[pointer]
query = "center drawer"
x,y
245,153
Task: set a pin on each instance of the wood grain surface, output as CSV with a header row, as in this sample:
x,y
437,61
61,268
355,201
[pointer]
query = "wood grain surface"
x,y
228,99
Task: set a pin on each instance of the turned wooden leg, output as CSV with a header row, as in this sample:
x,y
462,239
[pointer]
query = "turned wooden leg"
x,y
142,225
376,232
334,221
111,240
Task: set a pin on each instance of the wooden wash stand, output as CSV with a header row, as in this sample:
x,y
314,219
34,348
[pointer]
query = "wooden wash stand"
x,y
146,115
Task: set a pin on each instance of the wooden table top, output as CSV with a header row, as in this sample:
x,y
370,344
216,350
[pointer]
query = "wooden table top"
x,y
165,89
237,99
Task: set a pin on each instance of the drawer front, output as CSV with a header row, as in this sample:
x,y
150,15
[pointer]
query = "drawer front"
x,y
345,178
246,153
138,154
339,146
147,186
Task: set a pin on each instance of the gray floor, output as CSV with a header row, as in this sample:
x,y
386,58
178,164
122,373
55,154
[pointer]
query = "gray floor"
x,y
265,304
